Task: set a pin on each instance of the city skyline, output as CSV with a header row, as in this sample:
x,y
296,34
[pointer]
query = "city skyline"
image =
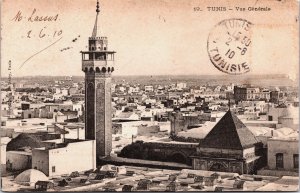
x,y
129,75
176,41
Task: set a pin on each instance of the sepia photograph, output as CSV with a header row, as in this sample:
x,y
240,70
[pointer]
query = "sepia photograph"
x,y
149,95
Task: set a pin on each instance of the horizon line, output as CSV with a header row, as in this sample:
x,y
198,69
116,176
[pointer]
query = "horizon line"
x,y
239,75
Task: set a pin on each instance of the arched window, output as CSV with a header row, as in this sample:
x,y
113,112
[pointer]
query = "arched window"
x,y
279,160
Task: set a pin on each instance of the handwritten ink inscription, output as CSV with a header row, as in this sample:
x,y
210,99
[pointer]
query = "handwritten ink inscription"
x,y
34,17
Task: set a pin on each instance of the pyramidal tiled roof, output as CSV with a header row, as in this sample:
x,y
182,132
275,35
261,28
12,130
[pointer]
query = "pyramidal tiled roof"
x,y
229,133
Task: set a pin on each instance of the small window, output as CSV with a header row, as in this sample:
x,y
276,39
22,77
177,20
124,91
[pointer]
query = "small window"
x,y
53,169
296,160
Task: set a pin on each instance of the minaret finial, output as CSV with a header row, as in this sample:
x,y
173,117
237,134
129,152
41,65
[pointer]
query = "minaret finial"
x,y
97,10
96,30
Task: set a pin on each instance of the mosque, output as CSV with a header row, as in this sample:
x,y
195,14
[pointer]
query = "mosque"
x,y
229,147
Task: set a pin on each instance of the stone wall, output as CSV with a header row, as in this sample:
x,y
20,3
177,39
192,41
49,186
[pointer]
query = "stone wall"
x,y
211,164
171,152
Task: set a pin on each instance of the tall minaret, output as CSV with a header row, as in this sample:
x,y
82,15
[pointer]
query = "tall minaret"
x,y
98,64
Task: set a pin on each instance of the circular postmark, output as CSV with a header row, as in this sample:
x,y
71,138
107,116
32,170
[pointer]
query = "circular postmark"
x,y
229,46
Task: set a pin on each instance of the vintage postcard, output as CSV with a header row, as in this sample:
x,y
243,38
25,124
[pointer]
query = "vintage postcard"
x,y
149,95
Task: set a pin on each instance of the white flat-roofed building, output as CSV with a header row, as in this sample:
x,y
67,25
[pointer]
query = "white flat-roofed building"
x,y
181,85
149,88
67,157
283,153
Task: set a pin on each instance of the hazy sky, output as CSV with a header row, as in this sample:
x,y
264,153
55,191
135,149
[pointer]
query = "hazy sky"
x,y
150,37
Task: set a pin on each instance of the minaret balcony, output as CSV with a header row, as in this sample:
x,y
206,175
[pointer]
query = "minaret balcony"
x,y
97,59
88,65
98,38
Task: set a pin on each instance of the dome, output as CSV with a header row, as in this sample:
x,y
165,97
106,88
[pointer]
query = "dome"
x,y
286,131
294,135
275,133
30,177
257,131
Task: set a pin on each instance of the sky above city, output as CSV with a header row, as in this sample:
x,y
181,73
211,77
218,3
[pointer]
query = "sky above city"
x,y
158,37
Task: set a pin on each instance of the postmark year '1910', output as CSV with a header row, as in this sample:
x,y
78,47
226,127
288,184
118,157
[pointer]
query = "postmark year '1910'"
x,y
229,46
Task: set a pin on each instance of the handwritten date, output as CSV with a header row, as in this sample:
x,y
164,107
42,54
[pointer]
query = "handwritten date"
x,y
43,33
